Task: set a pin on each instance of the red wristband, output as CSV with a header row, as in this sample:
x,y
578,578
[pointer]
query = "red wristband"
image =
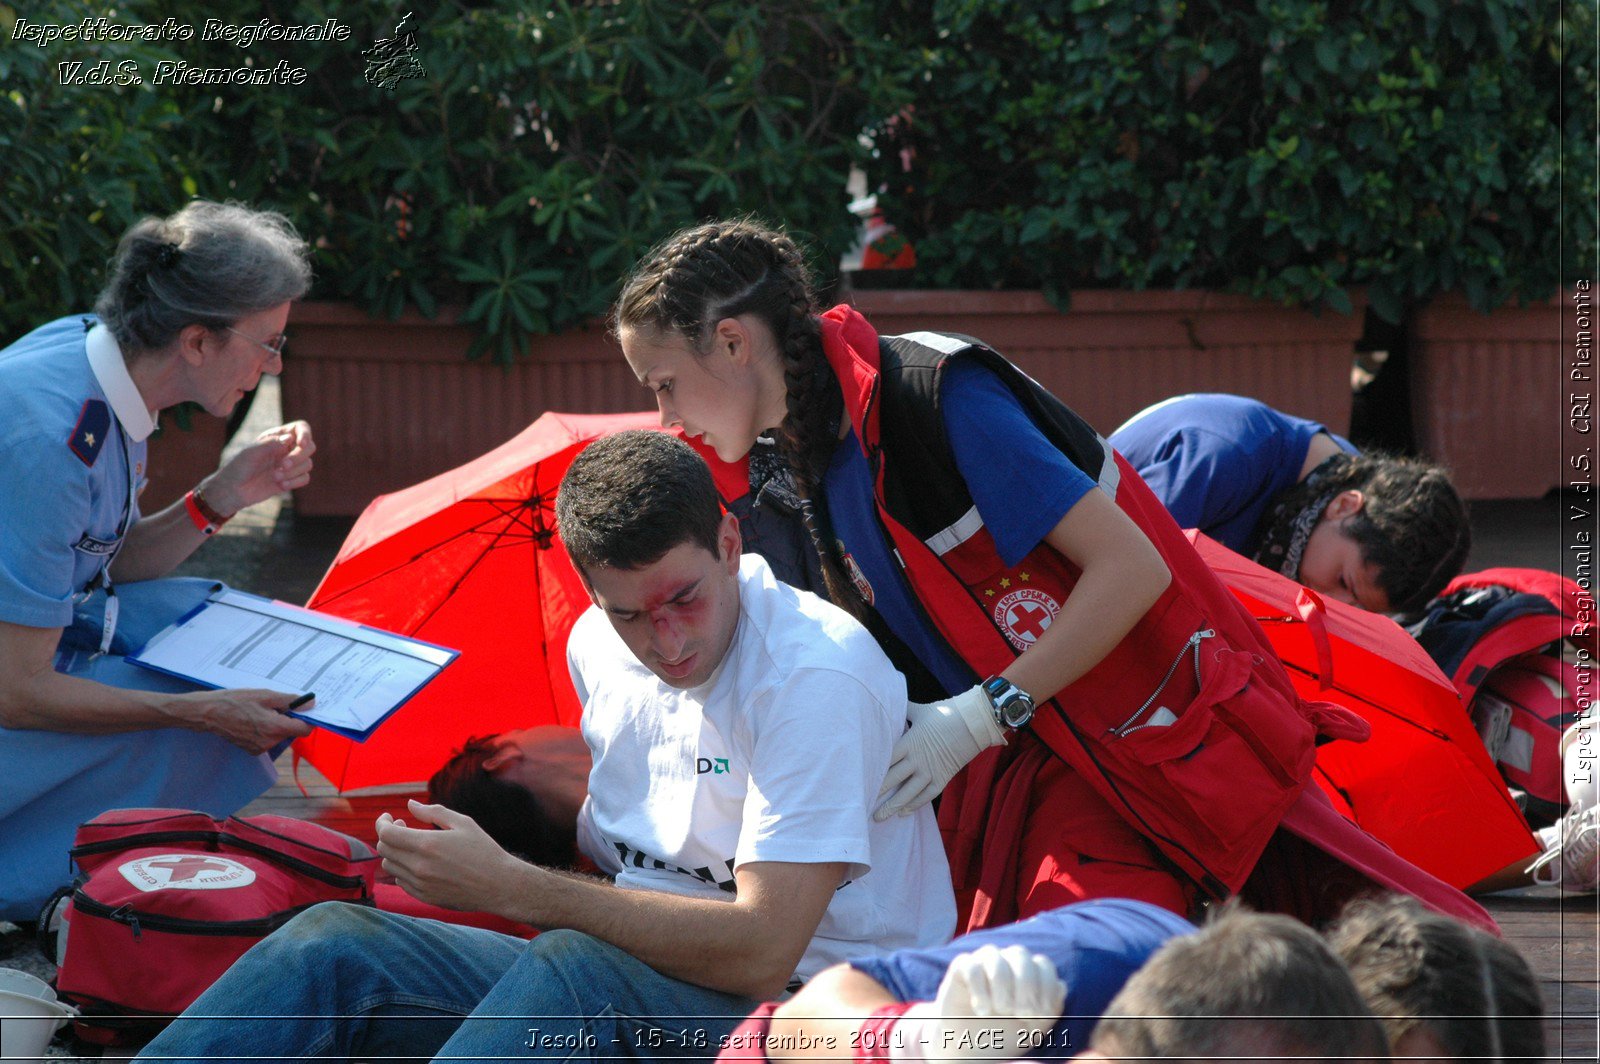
x,y
875,1037
197,514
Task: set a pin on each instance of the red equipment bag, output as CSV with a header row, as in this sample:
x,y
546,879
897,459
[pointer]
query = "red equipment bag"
x,y
1521,710
170,898
1511,641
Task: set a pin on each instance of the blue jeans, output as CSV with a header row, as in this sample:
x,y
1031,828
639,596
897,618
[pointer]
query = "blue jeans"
x,y
349,982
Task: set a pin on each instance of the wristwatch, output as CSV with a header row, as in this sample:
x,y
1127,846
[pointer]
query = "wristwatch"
x,y
1013,707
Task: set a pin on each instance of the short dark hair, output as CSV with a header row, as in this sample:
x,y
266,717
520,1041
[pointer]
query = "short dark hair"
x,y
511,815
629,498
1416,968
1412,526
1245,984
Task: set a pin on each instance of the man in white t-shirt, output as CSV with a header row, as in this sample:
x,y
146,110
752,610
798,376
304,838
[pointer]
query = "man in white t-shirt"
x,y
740,730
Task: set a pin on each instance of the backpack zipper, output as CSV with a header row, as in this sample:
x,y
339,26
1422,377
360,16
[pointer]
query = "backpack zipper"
x,y
138,922
160,838
1193,644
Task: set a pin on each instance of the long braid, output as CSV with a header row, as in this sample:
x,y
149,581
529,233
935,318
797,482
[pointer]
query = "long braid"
x,y
725,269
809,433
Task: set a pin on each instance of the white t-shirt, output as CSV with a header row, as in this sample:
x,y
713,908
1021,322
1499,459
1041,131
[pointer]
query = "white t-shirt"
x,y
778,757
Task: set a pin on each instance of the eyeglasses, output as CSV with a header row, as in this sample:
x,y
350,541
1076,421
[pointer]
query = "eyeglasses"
x,y
275,348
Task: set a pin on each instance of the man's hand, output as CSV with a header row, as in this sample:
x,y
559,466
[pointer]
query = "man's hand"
x,y
458,866
252,720
1011,990
942,738
279,461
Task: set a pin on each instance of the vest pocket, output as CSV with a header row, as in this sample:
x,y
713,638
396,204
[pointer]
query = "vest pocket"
x,y
1205,766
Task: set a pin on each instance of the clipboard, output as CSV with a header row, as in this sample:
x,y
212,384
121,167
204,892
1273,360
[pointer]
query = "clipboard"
x,y
361,675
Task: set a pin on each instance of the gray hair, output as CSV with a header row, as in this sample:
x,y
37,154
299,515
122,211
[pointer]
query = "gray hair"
x,y
1247,984
210,264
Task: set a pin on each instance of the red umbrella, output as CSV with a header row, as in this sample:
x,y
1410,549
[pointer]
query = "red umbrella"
x,y
468,560
1423,784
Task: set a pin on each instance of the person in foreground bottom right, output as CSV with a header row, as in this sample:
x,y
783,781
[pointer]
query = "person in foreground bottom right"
x,y
1441,989
1126,980
1247,985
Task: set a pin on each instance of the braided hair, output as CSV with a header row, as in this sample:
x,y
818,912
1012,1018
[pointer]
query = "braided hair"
x,y
1413,526
703,275
1415,968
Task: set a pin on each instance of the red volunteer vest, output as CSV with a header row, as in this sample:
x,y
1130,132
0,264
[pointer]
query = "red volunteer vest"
x,y
1189,727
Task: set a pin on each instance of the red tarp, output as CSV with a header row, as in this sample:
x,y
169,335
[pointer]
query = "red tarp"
x,y
1423,784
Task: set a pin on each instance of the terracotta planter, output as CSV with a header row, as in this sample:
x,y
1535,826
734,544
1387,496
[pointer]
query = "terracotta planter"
x,y
1114,353
179,458
393,403
1488,396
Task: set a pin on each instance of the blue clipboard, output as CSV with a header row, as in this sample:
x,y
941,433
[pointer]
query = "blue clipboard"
x,y
433,659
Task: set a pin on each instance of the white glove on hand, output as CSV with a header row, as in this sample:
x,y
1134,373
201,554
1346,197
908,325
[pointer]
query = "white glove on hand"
x,y
942,738
1010,991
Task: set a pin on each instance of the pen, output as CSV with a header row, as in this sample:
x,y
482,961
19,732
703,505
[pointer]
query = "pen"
x,y
302,700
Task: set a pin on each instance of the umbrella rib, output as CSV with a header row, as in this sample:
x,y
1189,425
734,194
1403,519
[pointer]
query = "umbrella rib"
x,y
474,530
494,543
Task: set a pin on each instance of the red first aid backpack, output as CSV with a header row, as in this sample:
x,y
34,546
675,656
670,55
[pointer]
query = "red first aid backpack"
x,y
170,899
1509,639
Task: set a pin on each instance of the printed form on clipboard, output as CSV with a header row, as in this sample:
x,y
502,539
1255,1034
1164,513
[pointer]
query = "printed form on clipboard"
x,y
360,675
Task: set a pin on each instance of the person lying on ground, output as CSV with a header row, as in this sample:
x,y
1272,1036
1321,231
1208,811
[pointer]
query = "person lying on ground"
x,y
740,730
524,788
1381,532
193,311
1033,988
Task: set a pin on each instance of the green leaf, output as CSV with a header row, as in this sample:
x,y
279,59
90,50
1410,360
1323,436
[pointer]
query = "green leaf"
x,y
1327,50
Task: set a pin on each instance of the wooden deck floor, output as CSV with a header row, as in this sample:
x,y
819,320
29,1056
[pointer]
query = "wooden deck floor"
x,y
1557,934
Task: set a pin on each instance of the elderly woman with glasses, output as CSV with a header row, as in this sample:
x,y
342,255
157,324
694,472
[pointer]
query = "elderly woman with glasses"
x,y
194,311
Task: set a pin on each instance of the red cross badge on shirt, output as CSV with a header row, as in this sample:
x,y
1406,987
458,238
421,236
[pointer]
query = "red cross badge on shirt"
x,y
1024,614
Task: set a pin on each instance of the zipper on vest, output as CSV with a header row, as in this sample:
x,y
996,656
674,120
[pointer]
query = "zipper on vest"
x,y
1193,645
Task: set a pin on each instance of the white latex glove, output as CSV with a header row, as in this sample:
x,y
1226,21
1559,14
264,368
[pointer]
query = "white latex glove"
x,y
942,738
994,1004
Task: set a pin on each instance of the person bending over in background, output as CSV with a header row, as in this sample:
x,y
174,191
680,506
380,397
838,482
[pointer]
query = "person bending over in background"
x,y
1381,532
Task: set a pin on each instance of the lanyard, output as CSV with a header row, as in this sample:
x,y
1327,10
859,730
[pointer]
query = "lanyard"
x,y
108,627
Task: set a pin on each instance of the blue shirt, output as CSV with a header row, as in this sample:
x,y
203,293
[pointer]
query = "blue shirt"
x,y
1095,946
63,498
1020,482
1217,461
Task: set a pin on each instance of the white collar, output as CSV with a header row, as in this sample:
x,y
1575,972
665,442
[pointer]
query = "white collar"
x,y
111,370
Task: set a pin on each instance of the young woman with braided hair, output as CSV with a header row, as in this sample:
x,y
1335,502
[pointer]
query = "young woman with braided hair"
x,y
969,514
1379,531
1443,991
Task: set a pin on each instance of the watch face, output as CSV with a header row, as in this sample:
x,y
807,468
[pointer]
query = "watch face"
x,y
1018,710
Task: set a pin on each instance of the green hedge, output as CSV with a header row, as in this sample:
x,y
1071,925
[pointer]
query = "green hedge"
x,y
546,147
1283,148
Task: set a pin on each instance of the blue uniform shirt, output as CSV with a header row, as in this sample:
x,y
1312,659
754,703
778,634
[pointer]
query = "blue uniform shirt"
x,y
1217,461
1095,946
1021,484
72,432
65,464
